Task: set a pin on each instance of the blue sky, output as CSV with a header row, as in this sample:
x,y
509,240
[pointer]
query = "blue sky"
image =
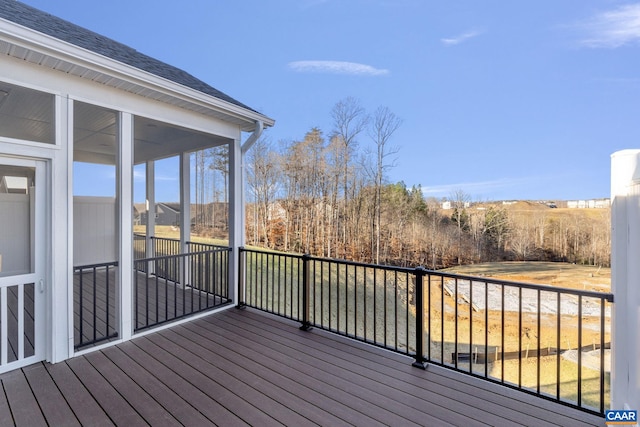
x,y
500,99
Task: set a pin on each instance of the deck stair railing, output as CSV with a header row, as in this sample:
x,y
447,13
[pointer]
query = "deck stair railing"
x,y
543,340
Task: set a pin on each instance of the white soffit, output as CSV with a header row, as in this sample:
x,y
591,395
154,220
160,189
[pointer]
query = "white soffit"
x,y
41,49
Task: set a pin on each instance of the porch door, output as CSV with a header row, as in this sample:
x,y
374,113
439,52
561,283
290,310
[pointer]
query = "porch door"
x,y
23,280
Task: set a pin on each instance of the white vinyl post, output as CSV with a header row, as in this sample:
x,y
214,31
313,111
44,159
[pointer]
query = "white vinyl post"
x,y
236,215
185,216
625,279
125,222
150,207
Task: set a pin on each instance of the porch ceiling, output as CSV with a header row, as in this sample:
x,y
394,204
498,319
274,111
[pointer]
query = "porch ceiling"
x,y
95,137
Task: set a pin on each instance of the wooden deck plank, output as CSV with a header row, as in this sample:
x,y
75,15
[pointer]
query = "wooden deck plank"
x,y
6,418
119,410
502,401
314,390
253,415
166,396
24,405
262,401
395,376
370,397
82,403
54,406
243,367
209,407
265,380
144,404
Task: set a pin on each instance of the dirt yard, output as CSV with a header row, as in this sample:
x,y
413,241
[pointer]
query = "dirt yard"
x,y
563,275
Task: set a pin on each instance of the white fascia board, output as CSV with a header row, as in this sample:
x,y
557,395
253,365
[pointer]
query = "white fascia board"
x,y
63,51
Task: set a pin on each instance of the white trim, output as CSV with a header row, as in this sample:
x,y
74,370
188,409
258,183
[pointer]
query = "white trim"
x,y
63,51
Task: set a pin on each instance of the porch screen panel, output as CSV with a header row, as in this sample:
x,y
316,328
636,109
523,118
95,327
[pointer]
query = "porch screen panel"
x,y
26,114
95,224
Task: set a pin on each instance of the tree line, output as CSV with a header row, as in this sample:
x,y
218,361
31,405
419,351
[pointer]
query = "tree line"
x,y
327,194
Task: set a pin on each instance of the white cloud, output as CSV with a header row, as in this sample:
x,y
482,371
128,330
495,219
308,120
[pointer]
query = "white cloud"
x,y
479,189
336,67
461,38
614,28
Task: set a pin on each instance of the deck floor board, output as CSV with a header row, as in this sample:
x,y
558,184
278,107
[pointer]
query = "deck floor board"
x,y
24,405
54,406
244,367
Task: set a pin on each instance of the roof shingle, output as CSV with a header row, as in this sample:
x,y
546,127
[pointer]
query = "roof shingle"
x,y
53,26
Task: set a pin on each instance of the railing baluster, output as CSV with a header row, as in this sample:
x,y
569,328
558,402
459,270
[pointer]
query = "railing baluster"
x,y
455,324
579,385
486,329
539,336
306,325
470,326
558,343
419,277
519,337
602,330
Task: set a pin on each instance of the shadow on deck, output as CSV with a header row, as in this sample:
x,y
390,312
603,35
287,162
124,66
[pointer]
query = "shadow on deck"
x,y
243,367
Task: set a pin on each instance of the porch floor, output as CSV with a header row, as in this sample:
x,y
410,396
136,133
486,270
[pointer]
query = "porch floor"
x,y
243,367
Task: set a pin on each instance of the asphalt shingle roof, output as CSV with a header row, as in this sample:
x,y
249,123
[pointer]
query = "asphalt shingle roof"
x,y
46,23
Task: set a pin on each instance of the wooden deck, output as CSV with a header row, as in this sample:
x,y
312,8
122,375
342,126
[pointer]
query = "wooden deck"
x,y
242,367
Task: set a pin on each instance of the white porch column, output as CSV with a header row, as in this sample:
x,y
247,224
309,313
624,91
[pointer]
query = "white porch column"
x,y
185,214
236,215
125,224
150,206
185,200
60,328
625,279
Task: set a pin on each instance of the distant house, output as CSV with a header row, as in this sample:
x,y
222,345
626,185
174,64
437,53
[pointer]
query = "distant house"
x,y
166,214
589,204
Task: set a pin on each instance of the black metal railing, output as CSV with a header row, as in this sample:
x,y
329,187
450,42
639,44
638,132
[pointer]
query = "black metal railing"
x,y
139,246
170,287
543,340
94,303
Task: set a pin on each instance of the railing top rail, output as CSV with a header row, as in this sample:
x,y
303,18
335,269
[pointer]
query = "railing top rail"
x,y
546,288
102,264
171,239
185,254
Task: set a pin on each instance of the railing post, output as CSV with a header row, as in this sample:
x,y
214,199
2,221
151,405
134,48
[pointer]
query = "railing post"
x,y
306,324
419,272
241,278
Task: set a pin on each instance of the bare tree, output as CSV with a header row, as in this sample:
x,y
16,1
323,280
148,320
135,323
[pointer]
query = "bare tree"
x,y
263,176
349,120
460,201
220,163
384,124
